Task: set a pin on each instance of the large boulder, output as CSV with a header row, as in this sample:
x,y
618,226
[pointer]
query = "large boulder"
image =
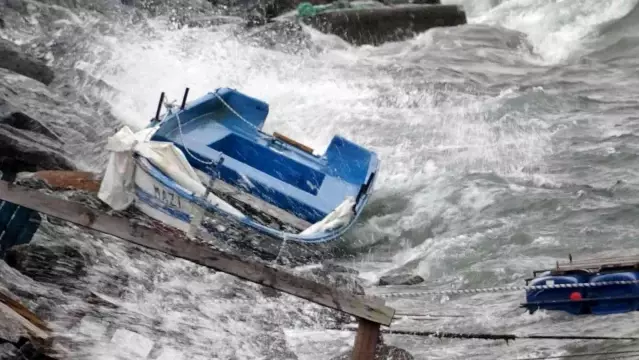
x,y
12,58
285,36
41,130
58,264
400,279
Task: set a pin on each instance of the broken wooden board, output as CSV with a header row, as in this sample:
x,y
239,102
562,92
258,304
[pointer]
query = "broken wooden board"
x,y
594,265
198,253
66,180
38,332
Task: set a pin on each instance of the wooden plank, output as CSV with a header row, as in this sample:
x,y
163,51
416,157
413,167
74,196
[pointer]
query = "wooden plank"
x,y
292,142
365,340
196,252
29,321
61,179
595,264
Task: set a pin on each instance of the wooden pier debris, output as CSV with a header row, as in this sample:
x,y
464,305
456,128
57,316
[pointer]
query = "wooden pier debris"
x,y
370,314
35,339
594,265
63,180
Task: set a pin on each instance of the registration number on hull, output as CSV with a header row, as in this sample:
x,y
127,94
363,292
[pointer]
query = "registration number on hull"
x,y
167,197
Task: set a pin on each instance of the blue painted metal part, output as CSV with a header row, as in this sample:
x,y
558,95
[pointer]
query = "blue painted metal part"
x,y
281,174
596,300
159,176
17,224
550,299
615,306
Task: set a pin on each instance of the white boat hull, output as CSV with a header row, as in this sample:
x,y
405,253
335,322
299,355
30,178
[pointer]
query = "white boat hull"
x,y
161,202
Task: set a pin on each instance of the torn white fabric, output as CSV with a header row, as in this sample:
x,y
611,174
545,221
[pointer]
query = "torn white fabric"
x,y
116,188
341,216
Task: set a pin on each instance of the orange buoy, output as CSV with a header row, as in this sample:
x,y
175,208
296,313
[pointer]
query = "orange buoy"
x,y
575,296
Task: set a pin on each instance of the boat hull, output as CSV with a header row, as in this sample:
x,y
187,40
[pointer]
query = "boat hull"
x,y
160,197
162,202
169,204
221,135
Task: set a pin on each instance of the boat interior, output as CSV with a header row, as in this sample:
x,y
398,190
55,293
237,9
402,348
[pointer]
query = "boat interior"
x,y
227,125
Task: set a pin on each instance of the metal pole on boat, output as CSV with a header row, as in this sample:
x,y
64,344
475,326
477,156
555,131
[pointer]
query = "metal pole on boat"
x,y
157,112
186,94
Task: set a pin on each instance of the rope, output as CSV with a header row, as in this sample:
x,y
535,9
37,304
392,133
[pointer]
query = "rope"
x,y
236,113
170,105
177,117
506,289
486,336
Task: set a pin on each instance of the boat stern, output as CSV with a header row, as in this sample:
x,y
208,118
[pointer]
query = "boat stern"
x,y
355,165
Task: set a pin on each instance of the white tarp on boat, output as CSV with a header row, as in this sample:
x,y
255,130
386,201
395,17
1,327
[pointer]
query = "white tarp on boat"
x,y
116,188
339,217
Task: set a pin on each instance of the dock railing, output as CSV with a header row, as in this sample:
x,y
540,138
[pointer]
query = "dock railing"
x,y
370,313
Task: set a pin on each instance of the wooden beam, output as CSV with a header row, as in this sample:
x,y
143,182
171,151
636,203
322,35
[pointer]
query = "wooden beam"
x,y
594,265
365,340
24,312
196,252
35,327
61,179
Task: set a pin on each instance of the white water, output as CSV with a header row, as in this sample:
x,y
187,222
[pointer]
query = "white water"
x,y
558,29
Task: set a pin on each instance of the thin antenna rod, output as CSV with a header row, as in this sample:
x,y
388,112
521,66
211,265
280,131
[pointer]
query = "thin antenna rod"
x,y
157,113
186,93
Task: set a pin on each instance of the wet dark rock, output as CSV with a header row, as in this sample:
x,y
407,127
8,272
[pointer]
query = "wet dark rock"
x,y
12,58
58,264
342,281
382,352
278,348
15,341
269,292
213,20
45,308
10,330
39,129
284,36
336,268
7,351
259,11
403,279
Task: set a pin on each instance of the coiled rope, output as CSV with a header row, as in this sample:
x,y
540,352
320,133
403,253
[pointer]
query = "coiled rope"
x,y
503,289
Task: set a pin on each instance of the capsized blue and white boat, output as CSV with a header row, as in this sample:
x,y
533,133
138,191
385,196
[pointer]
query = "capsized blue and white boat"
x,y
211,156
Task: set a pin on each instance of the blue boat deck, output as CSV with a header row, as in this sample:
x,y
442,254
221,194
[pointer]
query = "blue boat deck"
x,y
306,185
